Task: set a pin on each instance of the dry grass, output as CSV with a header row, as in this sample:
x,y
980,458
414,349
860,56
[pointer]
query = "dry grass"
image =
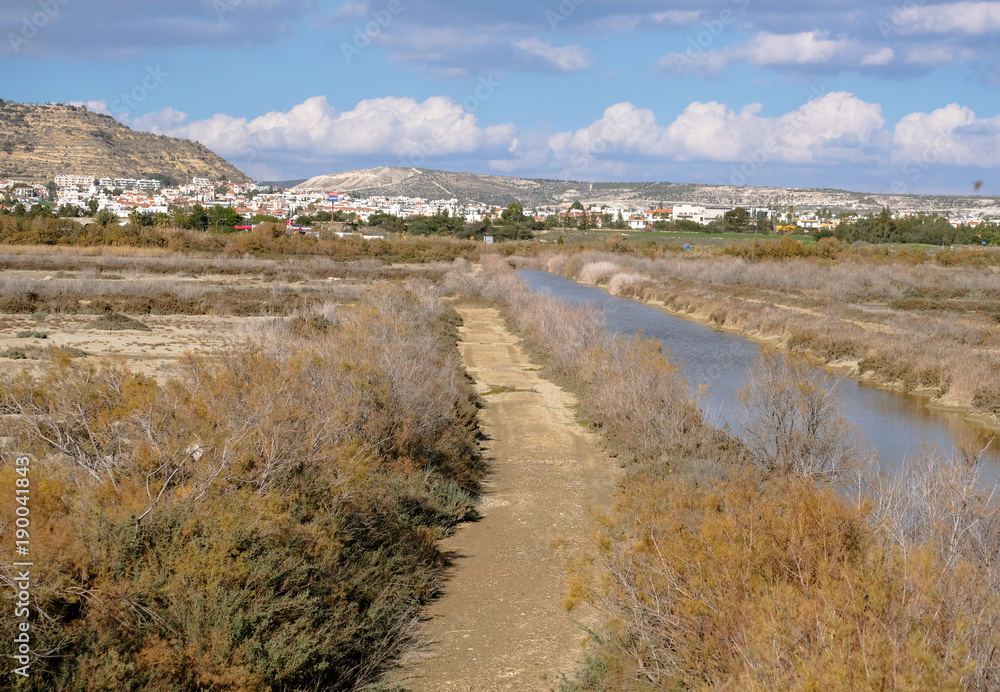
x,y
913,327
730,566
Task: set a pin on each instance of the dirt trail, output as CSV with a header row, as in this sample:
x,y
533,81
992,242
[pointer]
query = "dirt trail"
x,y
500,624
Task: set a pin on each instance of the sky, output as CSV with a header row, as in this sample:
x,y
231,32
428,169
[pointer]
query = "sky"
x,y
864,95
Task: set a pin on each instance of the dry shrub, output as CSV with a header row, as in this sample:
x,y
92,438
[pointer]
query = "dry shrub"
x,y
714,574
771,585
638,399
263,520
597,272
791,419
626,285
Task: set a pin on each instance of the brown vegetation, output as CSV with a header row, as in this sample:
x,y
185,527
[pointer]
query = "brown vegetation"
x,y
265,520
737,566
928,326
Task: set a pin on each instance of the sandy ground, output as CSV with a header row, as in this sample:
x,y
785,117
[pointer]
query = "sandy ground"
x,y
148,352
500,624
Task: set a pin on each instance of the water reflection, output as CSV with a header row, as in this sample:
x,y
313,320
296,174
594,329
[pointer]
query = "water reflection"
x,y
895,425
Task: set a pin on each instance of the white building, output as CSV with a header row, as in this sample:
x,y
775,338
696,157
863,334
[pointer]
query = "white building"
x,y
701,215
74,180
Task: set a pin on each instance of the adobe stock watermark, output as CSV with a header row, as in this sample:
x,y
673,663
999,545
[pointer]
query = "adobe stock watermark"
x,y
129,101
898,17
914,169
263,139
224,7
565,10
756,158
21,580
364,35
711,31
585,159
434,146
48,12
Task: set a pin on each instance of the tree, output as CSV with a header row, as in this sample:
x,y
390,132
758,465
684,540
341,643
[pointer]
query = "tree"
x,y
53,189
791,418
139,217
223,219
199,219
105,218
737,219
92,206
514,213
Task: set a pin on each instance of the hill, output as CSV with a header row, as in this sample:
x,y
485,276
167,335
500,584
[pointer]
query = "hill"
x,y
39,142
501,190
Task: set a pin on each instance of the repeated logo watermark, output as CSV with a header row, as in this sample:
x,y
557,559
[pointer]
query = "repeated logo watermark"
x,y
598,143
224,7
899,17
755,158
257,141
31,25
915,168
131,99
711,31
565,10
436,144
364,35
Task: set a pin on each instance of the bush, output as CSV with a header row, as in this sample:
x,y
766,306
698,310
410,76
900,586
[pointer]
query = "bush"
x,y
266,519
113,321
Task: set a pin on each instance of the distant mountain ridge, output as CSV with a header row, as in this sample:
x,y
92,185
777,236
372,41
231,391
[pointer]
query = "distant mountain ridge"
x,y
39,142
501,190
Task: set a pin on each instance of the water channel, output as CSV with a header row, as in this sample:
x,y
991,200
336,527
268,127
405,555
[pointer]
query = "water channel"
x,y
895,425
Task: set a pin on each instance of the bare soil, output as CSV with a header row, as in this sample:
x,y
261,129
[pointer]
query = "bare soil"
x,y
500,623
148,352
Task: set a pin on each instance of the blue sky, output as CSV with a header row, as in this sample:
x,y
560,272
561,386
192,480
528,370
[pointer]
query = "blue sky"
x,y
879,96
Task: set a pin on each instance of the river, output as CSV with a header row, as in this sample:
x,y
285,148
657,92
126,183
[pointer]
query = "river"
x,y
894,425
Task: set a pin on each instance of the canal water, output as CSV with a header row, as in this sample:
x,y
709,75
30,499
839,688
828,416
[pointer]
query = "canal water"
x,y
894,425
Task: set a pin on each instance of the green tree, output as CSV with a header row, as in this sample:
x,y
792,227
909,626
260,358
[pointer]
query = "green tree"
x,y
223,219
105,218
199,218
737,220
514,213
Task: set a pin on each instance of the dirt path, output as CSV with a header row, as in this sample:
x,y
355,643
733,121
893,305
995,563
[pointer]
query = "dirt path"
x,y
500,624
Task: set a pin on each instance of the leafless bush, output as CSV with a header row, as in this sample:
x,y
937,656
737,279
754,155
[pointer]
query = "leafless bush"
x,y
620,283
791,419
597,272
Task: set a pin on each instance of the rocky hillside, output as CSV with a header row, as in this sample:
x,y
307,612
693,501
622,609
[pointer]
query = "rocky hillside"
x,y
492,189
39,142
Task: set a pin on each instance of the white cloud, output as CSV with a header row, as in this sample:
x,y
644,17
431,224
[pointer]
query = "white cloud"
x,y
698,63
950,135
160,122
881,57
949,18
936,55
99,106
676,17
563,58
384,126
833,128
791,49
810,48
